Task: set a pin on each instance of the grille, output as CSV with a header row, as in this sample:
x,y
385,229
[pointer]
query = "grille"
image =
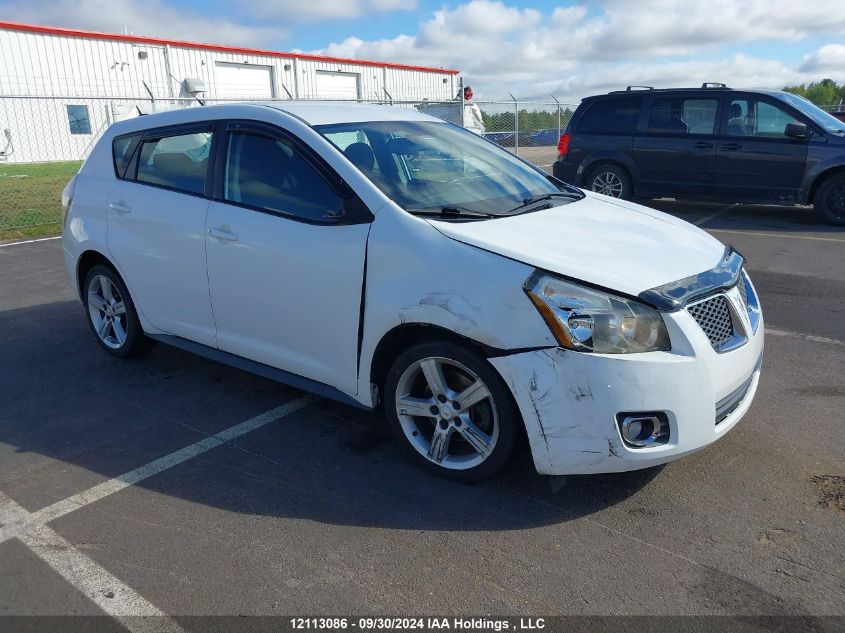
x,y
714,317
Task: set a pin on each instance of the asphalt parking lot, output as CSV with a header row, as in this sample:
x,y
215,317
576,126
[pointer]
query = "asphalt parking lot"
x,y
173,486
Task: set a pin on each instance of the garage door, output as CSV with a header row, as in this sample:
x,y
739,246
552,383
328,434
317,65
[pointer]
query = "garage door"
x,y
335,85
243,80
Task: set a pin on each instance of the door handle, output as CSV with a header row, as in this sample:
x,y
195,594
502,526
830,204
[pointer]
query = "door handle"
x,y
703,145
731,146
120,207
222,234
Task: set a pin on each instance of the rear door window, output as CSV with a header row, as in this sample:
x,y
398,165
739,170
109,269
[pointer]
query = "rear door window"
x,y
177,162
682,115
612,116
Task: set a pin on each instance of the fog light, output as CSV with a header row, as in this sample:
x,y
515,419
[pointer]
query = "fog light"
x,y
643,429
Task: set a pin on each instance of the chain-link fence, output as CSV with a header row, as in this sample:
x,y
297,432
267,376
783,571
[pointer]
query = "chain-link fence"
x,y
44,139
529,129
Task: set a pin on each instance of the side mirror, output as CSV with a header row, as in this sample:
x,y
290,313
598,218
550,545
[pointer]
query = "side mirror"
x,y
796,130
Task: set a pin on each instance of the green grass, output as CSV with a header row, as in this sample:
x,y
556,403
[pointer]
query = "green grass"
x,y
30,198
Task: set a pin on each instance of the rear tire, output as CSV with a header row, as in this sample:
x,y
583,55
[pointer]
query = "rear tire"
x,y
111,313
829,200
450,411
610,180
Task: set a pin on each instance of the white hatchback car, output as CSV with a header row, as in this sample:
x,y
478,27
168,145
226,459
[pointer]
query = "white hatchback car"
x,y
377,255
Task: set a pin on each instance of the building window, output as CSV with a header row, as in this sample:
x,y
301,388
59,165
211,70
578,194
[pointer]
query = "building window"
x,y
77,117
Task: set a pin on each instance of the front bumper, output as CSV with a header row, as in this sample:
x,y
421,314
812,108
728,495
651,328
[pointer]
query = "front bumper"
x,y
569,400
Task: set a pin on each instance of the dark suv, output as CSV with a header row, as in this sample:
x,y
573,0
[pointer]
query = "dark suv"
x,y
711,143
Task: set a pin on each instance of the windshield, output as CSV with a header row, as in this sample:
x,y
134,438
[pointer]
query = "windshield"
x,y
432,166
826,120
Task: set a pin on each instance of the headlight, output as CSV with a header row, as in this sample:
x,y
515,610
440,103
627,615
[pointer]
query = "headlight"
x,y
587,320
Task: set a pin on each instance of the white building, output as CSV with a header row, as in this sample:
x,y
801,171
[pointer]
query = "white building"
x,y
60,88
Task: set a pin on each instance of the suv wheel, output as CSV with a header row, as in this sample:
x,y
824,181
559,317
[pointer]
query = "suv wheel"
x,y
829,200
111,313
610,180
451,411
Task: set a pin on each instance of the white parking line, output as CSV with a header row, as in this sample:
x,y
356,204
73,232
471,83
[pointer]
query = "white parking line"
x,y
716,214
86,497
806,337
791,237
102,588
40,239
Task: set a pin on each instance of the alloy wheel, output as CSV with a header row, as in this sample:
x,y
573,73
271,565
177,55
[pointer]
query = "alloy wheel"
x,y
107,311
447,413
608,183
836,201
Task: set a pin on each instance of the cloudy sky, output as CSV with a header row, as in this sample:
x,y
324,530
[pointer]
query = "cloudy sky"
x,y
531,49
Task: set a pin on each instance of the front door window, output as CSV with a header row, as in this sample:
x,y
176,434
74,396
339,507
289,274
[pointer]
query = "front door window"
x,y
757,118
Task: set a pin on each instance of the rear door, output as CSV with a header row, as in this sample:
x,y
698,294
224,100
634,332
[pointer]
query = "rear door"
x,y
285,257
156,229
756,160
676,152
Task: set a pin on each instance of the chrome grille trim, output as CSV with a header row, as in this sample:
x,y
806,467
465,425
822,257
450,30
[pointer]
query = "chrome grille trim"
x,y
750,301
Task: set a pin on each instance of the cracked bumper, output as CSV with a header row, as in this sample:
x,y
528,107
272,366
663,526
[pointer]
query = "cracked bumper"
x,y
569,400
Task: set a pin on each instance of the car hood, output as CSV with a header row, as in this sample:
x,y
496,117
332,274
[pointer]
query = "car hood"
x,y
600,240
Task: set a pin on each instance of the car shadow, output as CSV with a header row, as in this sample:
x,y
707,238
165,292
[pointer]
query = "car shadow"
x,y
73,416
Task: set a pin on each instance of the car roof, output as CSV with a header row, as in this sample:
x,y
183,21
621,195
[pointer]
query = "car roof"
x,y
644,90
311,112
325,112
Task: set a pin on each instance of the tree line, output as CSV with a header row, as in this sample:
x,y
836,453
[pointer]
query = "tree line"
x,y
823,93
529,121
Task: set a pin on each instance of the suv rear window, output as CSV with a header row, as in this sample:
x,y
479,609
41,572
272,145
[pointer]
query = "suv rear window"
x,y
616,116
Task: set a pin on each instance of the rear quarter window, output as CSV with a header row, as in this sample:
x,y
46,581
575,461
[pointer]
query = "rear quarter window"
x,y
612,116
123,148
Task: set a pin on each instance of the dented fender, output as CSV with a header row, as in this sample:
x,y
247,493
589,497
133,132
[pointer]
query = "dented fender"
x,y
418,276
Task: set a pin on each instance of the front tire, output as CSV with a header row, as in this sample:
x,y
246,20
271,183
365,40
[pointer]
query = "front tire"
x,y
450,411
829,200
612,181
111,313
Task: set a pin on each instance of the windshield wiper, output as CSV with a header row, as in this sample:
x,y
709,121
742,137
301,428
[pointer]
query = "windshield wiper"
x,y
453,212
546,197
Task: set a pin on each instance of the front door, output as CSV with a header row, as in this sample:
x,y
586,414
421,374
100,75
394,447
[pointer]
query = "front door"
x,y
677,152
285,266
156,230
756,160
